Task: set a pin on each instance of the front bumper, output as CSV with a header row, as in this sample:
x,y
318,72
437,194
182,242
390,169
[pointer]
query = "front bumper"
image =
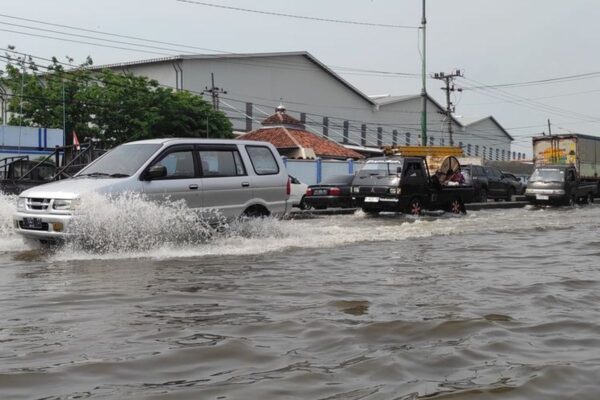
x,y
376,203
53,225
546,198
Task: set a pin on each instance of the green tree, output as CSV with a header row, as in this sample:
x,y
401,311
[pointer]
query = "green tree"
x,y
104,104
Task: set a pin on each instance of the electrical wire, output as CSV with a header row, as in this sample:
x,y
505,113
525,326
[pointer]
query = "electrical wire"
x,y
341,135
303,17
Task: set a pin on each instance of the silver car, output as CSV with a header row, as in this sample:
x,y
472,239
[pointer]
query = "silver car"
x,y
233,176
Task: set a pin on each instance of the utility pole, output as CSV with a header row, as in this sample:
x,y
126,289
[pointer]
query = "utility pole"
x,y
214,92
549,128
424,82
449,80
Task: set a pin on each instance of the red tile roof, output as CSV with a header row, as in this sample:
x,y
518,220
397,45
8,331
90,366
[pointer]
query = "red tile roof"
x,y
281,118
288,138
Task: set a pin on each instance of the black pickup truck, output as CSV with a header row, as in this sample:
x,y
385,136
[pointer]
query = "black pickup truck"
x,y
403,184
19,173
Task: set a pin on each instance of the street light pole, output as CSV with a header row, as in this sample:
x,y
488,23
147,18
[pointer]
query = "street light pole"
x,y
424,83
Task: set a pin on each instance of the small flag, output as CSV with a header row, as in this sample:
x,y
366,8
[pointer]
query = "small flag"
x,y
76,141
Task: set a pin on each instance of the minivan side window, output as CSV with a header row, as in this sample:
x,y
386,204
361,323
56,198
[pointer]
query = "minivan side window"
x,y
263,161
220,163
179,164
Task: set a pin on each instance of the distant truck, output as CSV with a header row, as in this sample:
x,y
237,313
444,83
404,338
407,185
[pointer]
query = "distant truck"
x,y
20,173
404,184
566,169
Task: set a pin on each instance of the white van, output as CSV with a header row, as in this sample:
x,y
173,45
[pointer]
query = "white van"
x,y
235,177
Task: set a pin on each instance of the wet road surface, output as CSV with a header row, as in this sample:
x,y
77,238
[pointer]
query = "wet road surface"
x,y
499,304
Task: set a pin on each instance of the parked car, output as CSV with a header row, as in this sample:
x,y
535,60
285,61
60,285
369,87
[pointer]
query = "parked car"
x,y
297,192
236,177
489,183
476,176
515,183
331,192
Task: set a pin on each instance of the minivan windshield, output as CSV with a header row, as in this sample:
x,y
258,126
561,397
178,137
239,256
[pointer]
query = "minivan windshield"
x,y
547,175
122,161
380,168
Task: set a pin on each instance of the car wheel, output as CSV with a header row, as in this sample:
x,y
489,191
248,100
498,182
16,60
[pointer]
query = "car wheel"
x,y
457,207
483,196
415,207
590,198
571,201
510,194
255,212
303,205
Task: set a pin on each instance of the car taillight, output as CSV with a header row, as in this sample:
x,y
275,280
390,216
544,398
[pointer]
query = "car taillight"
x,y
288,187
334,191
309,192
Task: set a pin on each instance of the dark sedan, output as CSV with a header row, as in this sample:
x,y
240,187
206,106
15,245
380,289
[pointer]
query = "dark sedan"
x,y
331,192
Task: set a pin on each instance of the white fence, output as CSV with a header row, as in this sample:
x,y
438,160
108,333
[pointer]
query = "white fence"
x,y
312,172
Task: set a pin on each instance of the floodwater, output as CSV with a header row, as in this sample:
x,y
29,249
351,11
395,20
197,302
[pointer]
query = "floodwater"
x,y
498,304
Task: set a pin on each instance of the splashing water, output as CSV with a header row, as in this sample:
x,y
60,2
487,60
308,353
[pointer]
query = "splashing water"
x,y
8,240
128,222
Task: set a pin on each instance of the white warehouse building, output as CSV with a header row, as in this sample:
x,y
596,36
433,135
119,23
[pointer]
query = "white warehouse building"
x,y
328,105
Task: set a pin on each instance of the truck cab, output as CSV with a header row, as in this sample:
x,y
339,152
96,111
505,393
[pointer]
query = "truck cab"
x,y
558,185
403,184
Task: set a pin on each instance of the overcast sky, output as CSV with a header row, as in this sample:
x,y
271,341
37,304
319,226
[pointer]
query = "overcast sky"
x,y
493,42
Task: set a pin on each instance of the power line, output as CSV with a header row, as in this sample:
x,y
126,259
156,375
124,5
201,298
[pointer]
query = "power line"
x,y
523,101
89,37
304,17
403,127
173,51
559,79
83,42
112,34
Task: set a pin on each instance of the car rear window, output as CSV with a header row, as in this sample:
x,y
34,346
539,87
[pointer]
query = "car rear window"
x,y
263,161
338,180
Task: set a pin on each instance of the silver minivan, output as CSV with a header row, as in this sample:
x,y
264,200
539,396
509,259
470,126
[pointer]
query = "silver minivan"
x,y
235,177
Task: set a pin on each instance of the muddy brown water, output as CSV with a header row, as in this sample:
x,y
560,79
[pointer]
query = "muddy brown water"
x,y
500,304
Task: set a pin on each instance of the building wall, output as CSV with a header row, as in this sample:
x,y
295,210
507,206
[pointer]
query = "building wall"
x,y
486,134
256,85
16,141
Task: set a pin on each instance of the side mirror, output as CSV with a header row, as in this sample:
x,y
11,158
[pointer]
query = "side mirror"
x,y
398,170
156,172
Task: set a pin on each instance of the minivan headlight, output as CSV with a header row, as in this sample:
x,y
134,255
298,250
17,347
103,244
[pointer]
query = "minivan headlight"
x,y
64,205
21,202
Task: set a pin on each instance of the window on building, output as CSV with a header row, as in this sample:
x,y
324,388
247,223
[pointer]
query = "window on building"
x,y
408,138
497,154
469,149
476,149
441,141
503,154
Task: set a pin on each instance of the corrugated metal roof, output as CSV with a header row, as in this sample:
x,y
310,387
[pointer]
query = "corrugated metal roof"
x,y
472,121
242,55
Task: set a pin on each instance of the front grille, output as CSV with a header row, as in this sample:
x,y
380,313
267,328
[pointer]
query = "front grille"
x,y
43,228
372,190
37,204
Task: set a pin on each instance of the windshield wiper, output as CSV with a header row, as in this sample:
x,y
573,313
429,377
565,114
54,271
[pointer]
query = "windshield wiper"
x,y
95,174
115,175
